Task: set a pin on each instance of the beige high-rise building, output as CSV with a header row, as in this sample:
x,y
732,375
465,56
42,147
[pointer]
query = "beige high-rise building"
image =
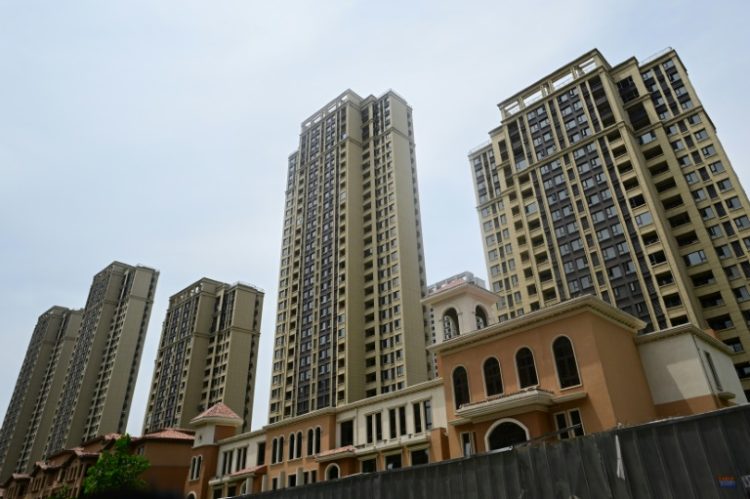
x,y
350,323
610,180
29,415
207,354
98,387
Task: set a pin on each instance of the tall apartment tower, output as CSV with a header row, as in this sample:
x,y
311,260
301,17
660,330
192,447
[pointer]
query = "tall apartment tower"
x,y
610,180
29,415
98,387
350,323
207,354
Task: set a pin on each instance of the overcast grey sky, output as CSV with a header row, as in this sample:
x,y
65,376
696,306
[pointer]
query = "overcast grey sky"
x,y
158,132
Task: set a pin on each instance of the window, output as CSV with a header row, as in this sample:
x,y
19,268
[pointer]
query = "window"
x,y
397,421
195,467
493,382
421,456
261,454
565,361
569,424
467,443
374,425
695,258
742,222
481,317
226,462
369,465
733,203
393,462
526,368
644,219
716,167
347,435
741,293
460,387
735,344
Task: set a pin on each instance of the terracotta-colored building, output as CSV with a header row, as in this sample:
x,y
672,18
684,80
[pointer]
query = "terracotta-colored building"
x,y
573,368
570,369
168,452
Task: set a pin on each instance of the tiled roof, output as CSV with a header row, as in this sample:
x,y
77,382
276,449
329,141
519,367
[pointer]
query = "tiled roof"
x,y
219,410
165,434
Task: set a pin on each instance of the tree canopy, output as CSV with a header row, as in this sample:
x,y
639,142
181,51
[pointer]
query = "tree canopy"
x,y
117,470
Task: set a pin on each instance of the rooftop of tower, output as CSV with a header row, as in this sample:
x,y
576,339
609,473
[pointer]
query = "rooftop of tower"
x,y
564,76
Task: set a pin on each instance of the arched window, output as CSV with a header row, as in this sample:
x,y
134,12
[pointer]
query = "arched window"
x,y
310,442
481,317
316,447
274,450
460,387
493,381
280,457
526,368
565,360
291,446
332,472
450,324
298,454
195,467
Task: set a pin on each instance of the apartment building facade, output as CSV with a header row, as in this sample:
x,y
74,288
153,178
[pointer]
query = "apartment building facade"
x,y
29,414
66,392
350,324
611,180
100,378
207,354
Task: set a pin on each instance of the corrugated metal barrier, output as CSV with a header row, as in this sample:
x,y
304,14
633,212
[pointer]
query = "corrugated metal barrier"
x,y
703,456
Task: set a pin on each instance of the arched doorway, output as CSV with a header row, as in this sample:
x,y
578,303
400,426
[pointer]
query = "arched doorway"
x,y
506,433
332,472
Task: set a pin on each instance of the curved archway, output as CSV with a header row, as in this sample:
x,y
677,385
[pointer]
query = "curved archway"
x,y
191,496
450,324
505,434
333,472
480,314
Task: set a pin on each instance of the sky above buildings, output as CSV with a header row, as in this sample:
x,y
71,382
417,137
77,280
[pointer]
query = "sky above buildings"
x,y
158,132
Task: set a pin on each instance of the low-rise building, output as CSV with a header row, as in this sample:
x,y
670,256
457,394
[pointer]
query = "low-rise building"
x,y
570,369
64,472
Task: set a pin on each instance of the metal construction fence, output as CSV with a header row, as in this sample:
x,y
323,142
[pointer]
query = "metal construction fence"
x,y
702,456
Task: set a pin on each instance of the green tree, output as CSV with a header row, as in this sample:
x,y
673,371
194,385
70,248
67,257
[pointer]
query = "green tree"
x,y
116,471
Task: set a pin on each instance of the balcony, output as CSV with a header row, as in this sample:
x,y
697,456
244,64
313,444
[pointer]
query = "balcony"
x,y
529,399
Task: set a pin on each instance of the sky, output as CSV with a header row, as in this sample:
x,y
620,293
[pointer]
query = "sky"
x,y
157,133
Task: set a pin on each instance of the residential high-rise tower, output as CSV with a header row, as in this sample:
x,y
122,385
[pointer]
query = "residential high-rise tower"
x,y
98,388
29,415
610,180
350,323
78,376
207,354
